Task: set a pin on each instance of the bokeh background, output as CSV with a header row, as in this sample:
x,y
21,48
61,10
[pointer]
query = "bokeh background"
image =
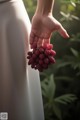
x,y
61,82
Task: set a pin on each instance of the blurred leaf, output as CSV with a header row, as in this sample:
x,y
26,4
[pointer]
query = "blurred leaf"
x,y
64,99
68,16
75,38
63,64
75,17
51,87
65,78
73,3
48,87
75,52
57,111
64,14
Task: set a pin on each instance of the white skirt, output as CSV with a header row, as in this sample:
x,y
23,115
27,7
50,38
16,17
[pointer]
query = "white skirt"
x,y
20,91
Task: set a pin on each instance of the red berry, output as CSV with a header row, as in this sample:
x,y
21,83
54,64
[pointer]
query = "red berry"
x,y
52,52
47,52
50,46
33,56
52,60
41,62
30,53
41,49
45,46
37,60
28,57
46,60
41,56
31,60
37,52
39,68
32,65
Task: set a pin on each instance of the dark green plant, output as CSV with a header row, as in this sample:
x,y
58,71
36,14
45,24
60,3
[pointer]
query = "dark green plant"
x,y
51,103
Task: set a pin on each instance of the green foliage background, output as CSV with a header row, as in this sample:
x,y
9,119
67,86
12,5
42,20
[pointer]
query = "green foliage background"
x,y
61,82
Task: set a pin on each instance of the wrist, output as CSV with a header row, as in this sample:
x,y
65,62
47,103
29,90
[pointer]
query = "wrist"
x,y
42,12
44,7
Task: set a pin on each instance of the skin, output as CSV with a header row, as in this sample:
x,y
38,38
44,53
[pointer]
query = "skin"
x,y
44,24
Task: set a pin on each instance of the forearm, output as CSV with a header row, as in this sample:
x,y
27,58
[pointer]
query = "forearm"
x,y
44,6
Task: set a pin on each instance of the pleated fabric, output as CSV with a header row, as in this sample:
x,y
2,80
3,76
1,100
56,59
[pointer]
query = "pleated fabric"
x,y
20,90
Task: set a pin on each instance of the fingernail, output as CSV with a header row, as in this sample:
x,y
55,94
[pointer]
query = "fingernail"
x,y
68,35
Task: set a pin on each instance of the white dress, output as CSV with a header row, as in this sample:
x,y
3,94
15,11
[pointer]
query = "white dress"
x,y
20,91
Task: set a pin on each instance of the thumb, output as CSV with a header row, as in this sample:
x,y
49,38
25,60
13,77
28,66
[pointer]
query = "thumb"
x,y
63,32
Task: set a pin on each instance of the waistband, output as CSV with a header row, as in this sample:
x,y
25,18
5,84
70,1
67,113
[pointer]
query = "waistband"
x,y
3,1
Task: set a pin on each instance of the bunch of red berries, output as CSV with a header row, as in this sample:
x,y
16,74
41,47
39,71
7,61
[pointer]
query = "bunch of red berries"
x,y
40,58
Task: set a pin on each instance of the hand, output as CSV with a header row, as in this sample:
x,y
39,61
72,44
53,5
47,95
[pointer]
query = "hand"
x,y
43,27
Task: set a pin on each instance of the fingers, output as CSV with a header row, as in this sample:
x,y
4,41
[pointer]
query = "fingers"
x,y
42,42
38,40
35,40
63,32
46,41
